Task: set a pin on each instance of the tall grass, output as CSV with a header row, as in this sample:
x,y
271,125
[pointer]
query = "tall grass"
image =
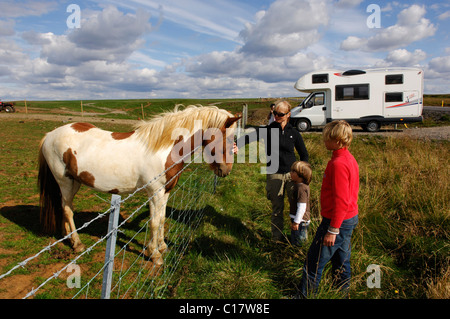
x,y
404,210
404,228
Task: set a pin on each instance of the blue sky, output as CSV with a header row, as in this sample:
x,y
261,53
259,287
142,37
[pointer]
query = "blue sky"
x,y
210,49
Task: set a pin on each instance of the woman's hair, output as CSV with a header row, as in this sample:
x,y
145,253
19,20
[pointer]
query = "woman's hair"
x,y
283,102
339,131
303,170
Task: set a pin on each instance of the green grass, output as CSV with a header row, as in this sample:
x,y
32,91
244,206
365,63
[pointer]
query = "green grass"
x,y
131,109
404,223
404,228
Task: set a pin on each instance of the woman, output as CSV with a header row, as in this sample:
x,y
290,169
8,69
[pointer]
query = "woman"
x,y
281,140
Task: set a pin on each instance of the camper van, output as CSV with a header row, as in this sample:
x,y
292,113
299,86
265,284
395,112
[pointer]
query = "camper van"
x,y
368,98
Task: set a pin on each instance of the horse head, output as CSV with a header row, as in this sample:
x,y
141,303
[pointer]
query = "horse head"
x,y
218,147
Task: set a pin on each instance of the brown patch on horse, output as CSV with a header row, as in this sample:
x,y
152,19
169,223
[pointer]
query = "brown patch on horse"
x,y
121,136
82,127
114,191
86,178
70,160
172,169
71,163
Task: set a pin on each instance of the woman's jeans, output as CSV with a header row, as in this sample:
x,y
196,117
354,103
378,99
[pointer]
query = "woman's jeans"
x,y
319,255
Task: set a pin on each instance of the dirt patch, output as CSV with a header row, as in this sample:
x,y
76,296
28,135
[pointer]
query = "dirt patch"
x,y
19,286
63,118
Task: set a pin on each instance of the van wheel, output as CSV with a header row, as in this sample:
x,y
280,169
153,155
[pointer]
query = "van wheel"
x,y
372,126
303,125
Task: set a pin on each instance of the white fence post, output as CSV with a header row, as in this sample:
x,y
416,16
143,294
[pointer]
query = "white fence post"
x,y
111,246
244,115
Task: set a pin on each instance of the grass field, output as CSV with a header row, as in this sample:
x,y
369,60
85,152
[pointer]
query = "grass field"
x,y
404,222
132,109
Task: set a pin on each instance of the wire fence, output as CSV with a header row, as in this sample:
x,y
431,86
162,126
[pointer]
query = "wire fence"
x,y
131,272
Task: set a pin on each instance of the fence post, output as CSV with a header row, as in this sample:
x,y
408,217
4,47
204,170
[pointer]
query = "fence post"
x,y
111,246
244,115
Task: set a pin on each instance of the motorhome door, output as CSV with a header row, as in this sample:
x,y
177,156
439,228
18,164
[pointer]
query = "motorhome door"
x,y
314,107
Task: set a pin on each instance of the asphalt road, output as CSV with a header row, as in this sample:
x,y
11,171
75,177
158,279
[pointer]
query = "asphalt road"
x,y
437,109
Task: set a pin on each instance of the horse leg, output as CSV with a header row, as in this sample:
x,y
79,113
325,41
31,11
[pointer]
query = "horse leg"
x,y
156,244
68,192
162,246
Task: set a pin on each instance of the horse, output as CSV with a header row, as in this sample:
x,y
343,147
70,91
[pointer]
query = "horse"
x,y
120,163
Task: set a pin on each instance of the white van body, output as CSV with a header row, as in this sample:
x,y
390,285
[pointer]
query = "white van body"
x,y
369,98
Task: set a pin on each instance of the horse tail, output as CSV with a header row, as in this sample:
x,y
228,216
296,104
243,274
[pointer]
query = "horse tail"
x,y
50,196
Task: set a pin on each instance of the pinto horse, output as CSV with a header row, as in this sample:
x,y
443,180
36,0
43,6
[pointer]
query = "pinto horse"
x,y
120,163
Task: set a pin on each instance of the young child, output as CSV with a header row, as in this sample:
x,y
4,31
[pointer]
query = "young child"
x,y
301,174
339,210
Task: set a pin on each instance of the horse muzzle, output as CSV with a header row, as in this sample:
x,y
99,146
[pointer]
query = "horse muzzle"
x,y
222,170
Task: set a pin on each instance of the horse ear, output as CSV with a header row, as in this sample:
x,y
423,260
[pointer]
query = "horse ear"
x,y
231,120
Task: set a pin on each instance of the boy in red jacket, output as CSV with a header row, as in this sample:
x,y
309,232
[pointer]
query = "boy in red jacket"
x,y
339,210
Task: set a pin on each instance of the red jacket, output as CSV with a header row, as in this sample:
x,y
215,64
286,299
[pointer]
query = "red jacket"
x,y
340,186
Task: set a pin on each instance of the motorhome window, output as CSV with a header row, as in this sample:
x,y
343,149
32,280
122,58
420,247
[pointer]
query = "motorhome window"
x,y
394,79
353,72
352,92
319,99
393,97
320,78
313,100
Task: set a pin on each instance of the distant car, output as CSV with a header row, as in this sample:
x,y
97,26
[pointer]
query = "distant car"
x,y
8,107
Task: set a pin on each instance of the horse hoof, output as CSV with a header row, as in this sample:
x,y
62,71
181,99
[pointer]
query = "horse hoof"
x,y
158,260
163,249
78,248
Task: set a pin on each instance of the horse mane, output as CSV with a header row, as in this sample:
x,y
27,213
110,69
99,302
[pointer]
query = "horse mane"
x,y
157,132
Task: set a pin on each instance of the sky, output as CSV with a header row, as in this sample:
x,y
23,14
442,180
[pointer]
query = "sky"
x,y
109,49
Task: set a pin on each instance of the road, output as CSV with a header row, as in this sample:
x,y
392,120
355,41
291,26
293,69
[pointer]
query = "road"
x,y
437,109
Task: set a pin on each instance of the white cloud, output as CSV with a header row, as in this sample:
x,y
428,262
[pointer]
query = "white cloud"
x,y
114,55
348,3
444,15
108,36
440,65
402,57
437,73
7,27
285,28
90,60
353,43
110,29
219,18
14,8
266,69
411,27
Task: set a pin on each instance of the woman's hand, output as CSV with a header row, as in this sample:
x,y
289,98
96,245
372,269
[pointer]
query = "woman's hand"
x,y
235,148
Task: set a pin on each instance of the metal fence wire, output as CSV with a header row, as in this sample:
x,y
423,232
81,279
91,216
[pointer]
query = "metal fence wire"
x,y
124,270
